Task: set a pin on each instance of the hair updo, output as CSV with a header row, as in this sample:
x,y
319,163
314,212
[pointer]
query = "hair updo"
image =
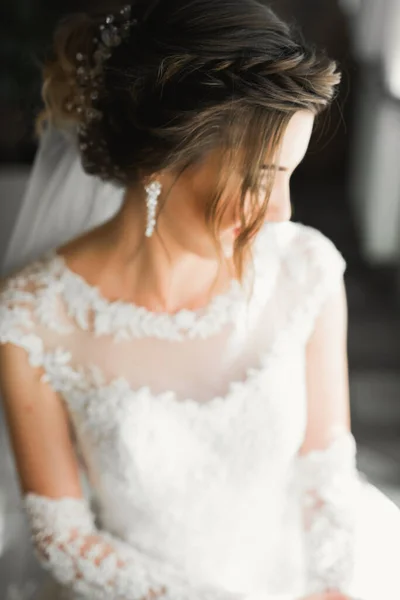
x,y
191,76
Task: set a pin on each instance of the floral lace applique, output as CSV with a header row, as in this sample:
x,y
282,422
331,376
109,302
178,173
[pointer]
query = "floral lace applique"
x,y
34,297
125,320
52,279
96,564
329,484
44,280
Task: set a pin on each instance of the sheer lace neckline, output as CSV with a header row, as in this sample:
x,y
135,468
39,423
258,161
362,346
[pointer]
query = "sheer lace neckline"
x,y
80,294
123,319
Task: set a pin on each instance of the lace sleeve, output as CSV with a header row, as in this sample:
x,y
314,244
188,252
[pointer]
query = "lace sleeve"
x,y
96,564
329,484
91,562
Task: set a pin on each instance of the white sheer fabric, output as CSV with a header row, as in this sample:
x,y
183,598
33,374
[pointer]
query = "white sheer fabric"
x,y
60,201
330,490
188,428
97,564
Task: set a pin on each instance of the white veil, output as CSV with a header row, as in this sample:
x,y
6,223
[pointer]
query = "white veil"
x,y
60,202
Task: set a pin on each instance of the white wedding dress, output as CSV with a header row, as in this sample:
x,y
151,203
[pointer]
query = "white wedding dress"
x,y
188,428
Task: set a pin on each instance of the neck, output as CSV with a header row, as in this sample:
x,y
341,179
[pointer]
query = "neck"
x,y
160,271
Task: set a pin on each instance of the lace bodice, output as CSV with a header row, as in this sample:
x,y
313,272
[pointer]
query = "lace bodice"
x,y
188,428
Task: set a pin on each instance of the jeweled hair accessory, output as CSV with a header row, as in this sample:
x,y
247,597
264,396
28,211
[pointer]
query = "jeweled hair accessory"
x,y
89,72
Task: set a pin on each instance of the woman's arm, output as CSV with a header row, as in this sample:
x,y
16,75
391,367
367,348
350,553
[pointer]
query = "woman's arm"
x,y
67,542
326,467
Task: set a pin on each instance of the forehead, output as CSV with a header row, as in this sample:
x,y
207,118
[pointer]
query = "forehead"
x,y
296,139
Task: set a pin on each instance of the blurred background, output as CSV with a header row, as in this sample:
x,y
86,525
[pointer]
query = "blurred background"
x,y
348,186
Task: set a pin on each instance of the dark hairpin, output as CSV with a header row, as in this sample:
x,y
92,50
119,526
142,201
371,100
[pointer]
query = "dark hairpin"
x,y
89,72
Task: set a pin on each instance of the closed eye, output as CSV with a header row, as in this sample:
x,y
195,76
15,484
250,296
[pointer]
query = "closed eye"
x,y
266,167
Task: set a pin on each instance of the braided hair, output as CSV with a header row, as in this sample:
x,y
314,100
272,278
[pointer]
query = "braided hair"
x,y
193,75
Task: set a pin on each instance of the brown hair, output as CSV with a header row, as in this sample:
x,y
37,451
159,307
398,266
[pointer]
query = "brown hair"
x,y
192,76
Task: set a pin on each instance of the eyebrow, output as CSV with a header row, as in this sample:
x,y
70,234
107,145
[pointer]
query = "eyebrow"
x,y
266,167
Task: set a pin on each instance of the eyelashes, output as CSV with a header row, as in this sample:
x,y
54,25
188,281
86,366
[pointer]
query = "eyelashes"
x,y
268,167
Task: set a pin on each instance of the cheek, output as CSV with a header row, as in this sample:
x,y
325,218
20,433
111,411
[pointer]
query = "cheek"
x,y
230,204
280,192
275,198
231,213
279,206
276,203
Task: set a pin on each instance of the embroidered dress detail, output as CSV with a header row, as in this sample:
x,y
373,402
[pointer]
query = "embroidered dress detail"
x,y
331,492
94,563
188,429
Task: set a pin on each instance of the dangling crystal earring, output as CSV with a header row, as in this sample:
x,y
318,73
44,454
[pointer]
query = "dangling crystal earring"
x,y
153,190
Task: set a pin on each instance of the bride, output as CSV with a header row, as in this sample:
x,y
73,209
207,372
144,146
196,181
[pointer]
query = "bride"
x,y
173,357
